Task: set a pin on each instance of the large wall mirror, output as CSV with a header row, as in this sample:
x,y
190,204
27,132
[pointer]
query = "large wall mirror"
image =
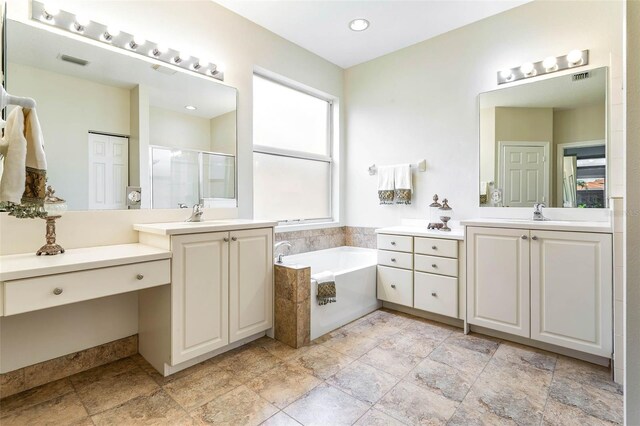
x,y
545,142
112,120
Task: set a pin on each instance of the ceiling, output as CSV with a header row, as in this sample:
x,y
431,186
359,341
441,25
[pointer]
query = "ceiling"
x,y
168,89
322,26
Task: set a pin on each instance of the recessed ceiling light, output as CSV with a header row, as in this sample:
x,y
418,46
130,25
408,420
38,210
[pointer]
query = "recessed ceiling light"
x,y
359,24
190,107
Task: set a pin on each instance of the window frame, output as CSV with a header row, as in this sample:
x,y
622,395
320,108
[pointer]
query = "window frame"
x,y
302,155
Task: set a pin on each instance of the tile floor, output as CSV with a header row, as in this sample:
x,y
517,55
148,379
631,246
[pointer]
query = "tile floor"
x,y
384,369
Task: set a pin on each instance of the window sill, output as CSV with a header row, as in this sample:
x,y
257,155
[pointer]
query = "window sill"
x,y
307,226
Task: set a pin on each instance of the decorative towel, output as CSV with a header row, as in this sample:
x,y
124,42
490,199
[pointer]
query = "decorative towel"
x,y
25,165
386,185
326,287
403,187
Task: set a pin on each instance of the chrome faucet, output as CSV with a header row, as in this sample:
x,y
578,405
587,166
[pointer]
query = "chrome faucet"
x,y
537,211
182,206
196,214
277,246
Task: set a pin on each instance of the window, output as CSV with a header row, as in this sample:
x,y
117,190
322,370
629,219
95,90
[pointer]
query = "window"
x,y
292,162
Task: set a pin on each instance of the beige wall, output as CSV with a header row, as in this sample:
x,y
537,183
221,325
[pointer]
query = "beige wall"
x,y
223,133
178,130
579,124
421,101
89,107
632,207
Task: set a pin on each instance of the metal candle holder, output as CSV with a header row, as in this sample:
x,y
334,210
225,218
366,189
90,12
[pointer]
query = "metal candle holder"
x,y
445,219
434,205
53,205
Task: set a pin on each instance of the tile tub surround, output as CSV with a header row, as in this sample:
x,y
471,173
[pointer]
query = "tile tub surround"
x,y
35,375
446,377
320,239
292,325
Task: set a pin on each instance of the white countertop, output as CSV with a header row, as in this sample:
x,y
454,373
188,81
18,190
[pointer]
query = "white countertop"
x,y
422,231
177,228
550,225
28,265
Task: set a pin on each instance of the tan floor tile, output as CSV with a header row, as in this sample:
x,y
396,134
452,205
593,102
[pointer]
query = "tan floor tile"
x,y
469,361
63,410
154,409
12,382
391,359
516,353
429,329
414,405
283,385
321,362
241,406
475,342
103,372
363,382
375,417
201,387
349,343
442,379
558,414
34,396
465,416
586,373
326,405
411,343
280,419
591,400
247,364
111,391
278,349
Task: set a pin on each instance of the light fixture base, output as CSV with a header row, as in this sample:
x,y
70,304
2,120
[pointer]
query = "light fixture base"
x,y
562,63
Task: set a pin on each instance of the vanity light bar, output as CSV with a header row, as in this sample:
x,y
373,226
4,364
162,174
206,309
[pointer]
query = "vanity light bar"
x,y
551,64
79,25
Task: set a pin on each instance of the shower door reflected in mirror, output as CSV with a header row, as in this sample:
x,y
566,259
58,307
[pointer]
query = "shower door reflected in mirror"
x,y
545,142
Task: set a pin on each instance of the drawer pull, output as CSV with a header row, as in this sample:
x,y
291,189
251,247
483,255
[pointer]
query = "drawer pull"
x,y
393,259
234,238
434,294
139,276
57,291
393,286
434,247
393,243
434,266
534,238
225,239
524,237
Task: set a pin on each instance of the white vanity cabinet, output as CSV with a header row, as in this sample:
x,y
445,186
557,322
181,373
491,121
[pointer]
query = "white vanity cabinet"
x,y
221,293
550,286
420,269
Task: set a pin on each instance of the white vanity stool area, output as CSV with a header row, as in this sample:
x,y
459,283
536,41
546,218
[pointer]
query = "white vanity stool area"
x,y
548,281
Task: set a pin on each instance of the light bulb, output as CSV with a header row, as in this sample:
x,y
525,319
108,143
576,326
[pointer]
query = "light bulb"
x,y
574,57
82,20
527,68
506,74
549,63
139,40
221,67
51,9
113,31
359,24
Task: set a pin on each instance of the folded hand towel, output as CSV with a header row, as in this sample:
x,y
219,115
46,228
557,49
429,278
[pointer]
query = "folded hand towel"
x,y
326,292
403,186
24,166
386,185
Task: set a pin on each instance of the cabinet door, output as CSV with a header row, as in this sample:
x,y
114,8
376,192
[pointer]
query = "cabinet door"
x,y
498,279
250,282
200,294
571,290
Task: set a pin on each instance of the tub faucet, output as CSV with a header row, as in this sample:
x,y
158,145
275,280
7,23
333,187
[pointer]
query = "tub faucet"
x,y
196,214
277,246
537,211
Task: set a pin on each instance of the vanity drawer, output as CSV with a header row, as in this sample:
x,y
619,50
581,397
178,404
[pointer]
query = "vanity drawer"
x,y
436,293
436,265
396,259
395,242
31,294
437,247
395,285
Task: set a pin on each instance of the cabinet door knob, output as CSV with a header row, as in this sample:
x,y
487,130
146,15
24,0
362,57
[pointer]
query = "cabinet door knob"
x,y
434,265
139,276
434,294
393,259
225,239
434,247
57,291
534,238
393,243
524,237
234,238
393,286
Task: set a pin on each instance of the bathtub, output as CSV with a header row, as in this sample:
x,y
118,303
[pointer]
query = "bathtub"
x,y
355,272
